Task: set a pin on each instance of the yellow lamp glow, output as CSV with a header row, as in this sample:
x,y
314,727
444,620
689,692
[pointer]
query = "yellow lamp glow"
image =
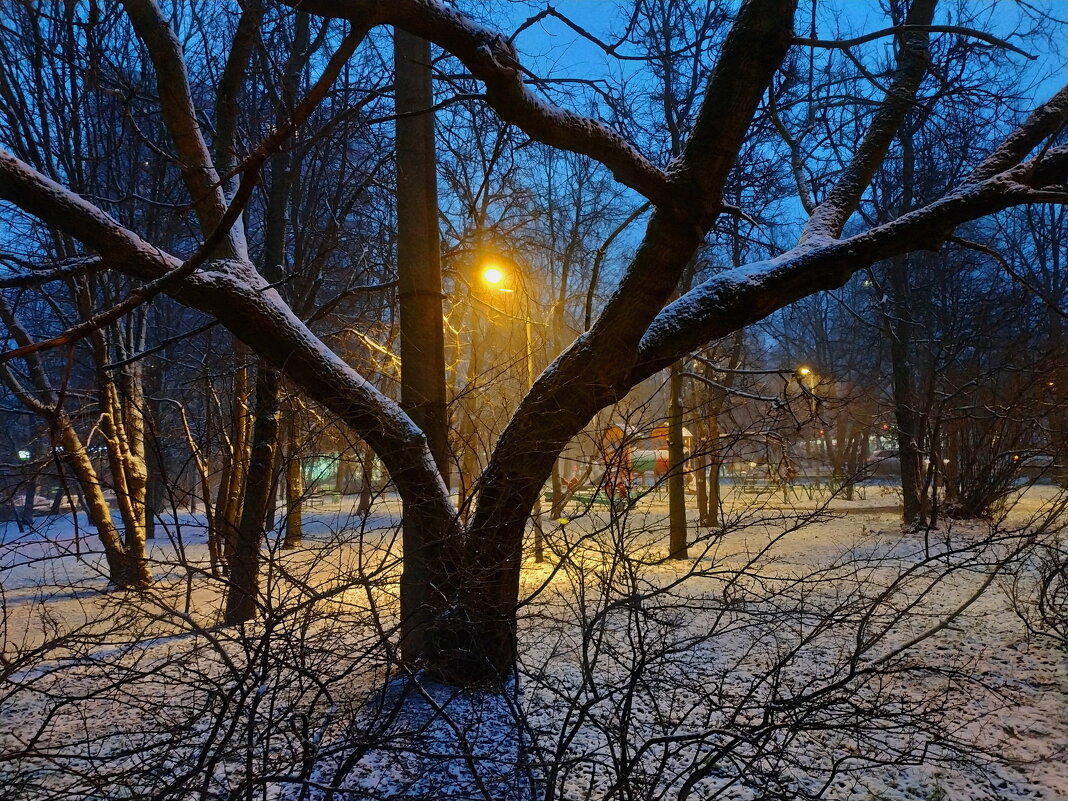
x,y
804,371
492,275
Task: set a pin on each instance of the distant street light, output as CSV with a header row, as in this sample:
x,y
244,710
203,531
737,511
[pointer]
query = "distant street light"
x,y
25,456
492,275
806,380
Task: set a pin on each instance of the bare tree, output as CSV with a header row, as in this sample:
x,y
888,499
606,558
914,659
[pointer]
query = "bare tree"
x,y
475,569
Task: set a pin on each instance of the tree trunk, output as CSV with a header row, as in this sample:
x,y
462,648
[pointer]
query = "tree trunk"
x,y
715,467
557,508
367,457
676,477
232,485
909,436
294,485
715,462
422,333
423,394
127,565
26,513
343,474
260,497
211,518
700,470
155,491
259,486
469,461
909,430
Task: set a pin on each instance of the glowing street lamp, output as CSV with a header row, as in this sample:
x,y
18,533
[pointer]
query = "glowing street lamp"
x,y
494,276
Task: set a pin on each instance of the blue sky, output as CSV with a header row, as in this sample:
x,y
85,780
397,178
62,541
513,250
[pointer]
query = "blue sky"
x,y
552,45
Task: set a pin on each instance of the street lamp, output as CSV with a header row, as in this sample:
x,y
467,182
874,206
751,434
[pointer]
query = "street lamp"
x,y
806,379
493,275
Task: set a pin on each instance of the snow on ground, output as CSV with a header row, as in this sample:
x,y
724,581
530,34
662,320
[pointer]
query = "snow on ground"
x,y
839,659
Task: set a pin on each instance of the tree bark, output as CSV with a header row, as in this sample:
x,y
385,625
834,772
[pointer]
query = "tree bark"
x,y
259,486
909,436
420,294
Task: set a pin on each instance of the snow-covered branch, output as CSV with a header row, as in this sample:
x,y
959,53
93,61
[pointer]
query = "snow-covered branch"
x,y
739,297
830,215
179,114
235,294
1042,124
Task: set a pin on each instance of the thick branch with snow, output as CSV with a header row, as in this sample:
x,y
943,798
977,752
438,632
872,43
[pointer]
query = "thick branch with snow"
x,y
236,295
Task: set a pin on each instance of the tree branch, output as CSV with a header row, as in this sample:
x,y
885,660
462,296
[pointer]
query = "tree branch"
x,y
70,269
1040,293
744,295
900,30
235,294
231,81
1042,124
830,216
491,59
180,117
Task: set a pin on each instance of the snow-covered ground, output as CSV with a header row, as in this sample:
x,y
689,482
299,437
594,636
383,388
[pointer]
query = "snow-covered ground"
x,y
806,649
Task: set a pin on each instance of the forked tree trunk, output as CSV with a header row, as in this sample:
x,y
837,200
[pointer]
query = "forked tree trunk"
x,y
202,480
475,579
123,427
127,565
471,582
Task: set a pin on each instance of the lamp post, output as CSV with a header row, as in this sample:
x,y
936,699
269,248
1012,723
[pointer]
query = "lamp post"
x,y
493,275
